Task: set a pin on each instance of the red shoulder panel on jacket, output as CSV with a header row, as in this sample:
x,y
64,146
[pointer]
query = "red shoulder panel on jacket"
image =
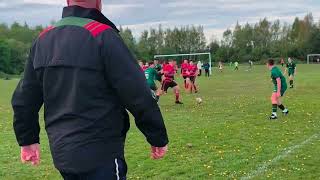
x,y
46,30
96,28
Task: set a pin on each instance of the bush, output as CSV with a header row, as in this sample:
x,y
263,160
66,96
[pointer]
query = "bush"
x,y
3,75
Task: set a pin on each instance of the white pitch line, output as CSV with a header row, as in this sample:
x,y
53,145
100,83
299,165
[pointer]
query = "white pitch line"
x,y
262,168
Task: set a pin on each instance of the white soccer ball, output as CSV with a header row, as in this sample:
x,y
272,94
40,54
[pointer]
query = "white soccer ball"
x,y
199,100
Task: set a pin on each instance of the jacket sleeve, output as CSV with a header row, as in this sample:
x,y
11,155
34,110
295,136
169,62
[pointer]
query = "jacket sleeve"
x,y
129,82
26,102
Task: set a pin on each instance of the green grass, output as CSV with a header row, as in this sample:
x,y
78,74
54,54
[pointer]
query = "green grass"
x,y
230,132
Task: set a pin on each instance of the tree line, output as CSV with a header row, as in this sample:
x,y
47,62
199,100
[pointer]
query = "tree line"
x,y
265,39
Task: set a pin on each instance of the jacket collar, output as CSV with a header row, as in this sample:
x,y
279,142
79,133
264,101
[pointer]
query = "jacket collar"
x,y
93,14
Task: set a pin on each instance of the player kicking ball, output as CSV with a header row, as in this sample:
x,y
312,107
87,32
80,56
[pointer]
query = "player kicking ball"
x,y
291,69
168,82
280,87
151,75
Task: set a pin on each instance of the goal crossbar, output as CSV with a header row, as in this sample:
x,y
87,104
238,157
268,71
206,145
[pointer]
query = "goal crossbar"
x,y
190,54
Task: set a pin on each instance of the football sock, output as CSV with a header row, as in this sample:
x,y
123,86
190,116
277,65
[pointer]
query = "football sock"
x,y
282,107
177,97
274,109
195,88
291,82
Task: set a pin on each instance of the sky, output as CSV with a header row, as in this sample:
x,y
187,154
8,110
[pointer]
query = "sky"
x,y
214,15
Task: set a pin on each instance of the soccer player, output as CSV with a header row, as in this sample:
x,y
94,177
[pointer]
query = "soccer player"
x,y
185,73
199,65
282,62
236,66
141,64
145,67
220,66
250,64
206,68
280,87
291,69
193,72
168,82
151,75
158,68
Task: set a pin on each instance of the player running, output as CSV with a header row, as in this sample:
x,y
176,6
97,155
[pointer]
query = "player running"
x,y
280,87
185,73
193,73
168,82
151,75
291,69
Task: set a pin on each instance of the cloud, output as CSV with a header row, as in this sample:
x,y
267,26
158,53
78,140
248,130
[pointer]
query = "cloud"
x,y
214,15
48,2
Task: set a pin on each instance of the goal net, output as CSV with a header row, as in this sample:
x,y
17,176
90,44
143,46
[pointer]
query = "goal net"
x,y
203,57
313,58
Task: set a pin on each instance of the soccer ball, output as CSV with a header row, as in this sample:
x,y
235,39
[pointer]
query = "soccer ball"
x,y
199,100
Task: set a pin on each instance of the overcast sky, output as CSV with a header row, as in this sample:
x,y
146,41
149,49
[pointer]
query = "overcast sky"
x,y
215,15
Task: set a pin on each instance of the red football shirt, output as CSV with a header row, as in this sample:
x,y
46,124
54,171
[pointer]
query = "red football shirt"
x,y
169,71
185,69
193,69
144,67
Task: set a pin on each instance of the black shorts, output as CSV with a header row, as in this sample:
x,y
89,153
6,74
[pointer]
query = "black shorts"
x,y
193,79
185,77
168,84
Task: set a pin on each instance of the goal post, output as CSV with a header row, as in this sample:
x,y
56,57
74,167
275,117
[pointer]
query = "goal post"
x,y
312,55
190,54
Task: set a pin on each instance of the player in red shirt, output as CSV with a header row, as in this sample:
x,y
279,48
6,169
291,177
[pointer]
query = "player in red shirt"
x,y
193,73
168,82
185,73
145,67
141,65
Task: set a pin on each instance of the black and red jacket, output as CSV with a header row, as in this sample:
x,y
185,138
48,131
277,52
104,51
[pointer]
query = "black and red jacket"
x,y
85,76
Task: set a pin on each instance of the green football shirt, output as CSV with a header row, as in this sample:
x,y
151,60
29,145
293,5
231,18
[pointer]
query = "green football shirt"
x,y
151,74
275,74
158,67
291,68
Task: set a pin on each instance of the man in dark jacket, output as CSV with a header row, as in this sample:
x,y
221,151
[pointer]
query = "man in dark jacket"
x,y
85,76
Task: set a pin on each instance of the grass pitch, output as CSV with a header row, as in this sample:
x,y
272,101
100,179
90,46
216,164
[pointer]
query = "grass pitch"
x,y
228,136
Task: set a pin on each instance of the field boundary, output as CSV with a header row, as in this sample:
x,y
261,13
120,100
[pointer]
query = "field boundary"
x,y
264,166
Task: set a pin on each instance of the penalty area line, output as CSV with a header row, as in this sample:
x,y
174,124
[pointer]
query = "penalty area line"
x,y
264,167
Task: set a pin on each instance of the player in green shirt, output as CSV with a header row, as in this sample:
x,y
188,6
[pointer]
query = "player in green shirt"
x,y
280,87
151,75
158,68
291,69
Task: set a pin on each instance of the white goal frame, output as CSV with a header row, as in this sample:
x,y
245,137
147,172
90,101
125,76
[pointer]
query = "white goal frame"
x,y
191,54
311,55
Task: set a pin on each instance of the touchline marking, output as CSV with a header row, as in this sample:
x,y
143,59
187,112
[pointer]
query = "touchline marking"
x,y
262,168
